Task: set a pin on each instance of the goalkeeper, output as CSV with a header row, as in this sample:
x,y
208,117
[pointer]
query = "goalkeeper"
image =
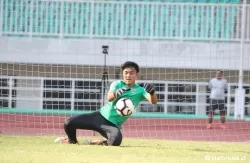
x,y
107,121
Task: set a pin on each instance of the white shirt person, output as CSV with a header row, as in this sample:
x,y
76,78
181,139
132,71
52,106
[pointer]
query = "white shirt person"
x,y
217,85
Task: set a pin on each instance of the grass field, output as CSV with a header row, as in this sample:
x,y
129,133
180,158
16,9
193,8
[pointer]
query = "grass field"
x,y
42,149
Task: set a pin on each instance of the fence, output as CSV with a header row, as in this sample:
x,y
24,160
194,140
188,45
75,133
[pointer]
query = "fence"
x,y
85,94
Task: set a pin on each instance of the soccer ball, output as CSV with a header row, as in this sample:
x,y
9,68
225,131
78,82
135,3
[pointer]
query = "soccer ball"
x,y
124,107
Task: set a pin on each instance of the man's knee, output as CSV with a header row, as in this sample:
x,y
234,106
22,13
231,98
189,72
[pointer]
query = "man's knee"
x,y
210,113
67,122
115,139
223,113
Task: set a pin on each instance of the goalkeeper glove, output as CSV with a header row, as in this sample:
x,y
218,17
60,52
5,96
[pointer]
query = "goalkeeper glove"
x,y
149,88
120,91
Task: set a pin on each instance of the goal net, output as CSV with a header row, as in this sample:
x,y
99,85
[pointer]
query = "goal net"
x,y
58,58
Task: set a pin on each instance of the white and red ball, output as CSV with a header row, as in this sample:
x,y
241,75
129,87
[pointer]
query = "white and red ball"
x,y
125,107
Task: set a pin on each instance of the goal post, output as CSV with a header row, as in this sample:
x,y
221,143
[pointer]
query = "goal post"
x,y
51,64
239,111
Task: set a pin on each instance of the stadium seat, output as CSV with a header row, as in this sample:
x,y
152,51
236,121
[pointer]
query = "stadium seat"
x,y
47,18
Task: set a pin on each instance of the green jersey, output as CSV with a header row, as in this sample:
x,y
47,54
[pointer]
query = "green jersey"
x,y
136,94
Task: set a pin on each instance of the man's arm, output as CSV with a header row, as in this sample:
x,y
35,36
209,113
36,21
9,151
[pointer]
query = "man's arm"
x,y
111,93
210,84
111,96
114,92
226,85
152,98
150,93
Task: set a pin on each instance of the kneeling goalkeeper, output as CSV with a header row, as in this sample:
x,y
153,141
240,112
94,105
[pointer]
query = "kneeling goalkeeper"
x,y
107,121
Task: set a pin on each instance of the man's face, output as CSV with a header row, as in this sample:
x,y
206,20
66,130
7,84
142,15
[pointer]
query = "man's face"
x,y
218,75
129,76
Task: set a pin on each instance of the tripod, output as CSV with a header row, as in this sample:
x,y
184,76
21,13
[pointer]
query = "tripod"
x,y
104,86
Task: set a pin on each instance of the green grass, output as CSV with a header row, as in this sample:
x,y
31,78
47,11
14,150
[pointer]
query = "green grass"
x,y
42,149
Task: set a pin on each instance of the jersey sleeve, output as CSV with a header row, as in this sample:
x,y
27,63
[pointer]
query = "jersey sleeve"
x,y
210,84
145,94
114,86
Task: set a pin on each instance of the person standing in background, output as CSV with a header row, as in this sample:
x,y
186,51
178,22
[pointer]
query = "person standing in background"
x,y
217,85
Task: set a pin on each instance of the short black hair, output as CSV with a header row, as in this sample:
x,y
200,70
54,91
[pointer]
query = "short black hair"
x,y
220,71
129,64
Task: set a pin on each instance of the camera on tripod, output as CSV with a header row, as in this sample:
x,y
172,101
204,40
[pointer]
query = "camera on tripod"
x,y
105,49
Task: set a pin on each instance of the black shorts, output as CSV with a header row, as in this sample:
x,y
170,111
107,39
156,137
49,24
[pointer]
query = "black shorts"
x,y
217,104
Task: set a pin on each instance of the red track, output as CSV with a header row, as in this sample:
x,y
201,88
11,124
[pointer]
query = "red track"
x,y
171,129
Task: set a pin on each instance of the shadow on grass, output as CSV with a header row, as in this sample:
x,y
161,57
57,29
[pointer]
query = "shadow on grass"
x,y
205,150
218,151
145,146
